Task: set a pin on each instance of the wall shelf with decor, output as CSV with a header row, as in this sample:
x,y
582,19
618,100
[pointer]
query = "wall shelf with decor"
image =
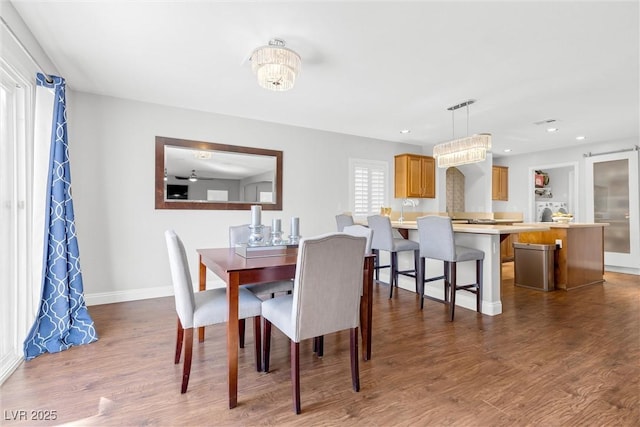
x,y
542,191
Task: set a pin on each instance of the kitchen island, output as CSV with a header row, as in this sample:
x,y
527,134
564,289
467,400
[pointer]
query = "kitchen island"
x,y
478,236
580,260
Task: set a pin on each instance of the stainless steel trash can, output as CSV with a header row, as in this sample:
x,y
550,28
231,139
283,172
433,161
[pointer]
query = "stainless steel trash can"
x,y
534,266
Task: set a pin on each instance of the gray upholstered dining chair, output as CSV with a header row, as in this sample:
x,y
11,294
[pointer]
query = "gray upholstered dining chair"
x,y
343,220
383,240
325,299
437,242
240,234
360,231
204,308
352,230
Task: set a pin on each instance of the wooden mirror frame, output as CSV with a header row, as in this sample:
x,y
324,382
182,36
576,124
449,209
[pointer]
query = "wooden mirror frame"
x,y
162,203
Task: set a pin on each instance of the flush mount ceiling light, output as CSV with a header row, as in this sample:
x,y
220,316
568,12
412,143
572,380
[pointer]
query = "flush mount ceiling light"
x,y
193,177
461,151
276,66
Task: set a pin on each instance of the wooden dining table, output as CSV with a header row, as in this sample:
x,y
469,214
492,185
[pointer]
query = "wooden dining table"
x,y
236,270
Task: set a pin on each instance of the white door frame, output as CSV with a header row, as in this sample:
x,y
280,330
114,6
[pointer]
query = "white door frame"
x,y
573,189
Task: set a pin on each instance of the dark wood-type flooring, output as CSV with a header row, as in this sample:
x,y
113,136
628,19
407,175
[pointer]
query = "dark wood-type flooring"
x,y
551,359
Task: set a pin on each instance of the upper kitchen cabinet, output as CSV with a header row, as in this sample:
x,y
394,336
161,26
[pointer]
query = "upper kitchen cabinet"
x,y
415,176
500,183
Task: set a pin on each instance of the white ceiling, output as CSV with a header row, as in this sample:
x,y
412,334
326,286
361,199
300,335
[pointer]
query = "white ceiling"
x,y
369,68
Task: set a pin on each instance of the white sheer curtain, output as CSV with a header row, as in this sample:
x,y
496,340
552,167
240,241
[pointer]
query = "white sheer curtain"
x,y
41,149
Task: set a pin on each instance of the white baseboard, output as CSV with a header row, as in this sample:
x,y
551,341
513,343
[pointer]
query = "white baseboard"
x,y
99,298
624,270
9,364
128,295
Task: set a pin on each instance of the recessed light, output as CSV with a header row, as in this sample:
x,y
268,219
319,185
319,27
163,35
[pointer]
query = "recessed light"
x,y
552,129
580,138
405,131
507,150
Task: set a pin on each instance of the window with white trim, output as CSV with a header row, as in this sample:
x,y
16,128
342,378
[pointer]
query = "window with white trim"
x,y
367,186
18,298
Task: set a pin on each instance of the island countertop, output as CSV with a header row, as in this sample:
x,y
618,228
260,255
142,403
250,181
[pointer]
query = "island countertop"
x,y
573,224
482,228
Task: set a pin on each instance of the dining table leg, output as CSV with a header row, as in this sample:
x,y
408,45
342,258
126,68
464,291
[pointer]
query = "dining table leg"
x,y
233,282
202,277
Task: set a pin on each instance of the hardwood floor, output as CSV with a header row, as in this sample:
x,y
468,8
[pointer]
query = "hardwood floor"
x,y
551,359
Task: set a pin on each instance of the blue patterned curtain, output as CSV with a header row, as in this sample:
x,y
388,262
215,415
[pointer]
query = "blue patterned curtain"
x,y
63,320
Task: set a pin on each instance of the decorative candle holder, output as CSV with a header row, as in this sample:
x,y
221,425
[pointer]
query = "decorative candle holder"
x,y
256,238
276,238
294,240
294,237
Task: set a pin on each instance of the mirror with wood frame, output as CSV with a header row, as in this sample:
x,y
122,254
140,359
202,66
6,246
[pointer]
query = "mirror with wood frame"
x,y
205,175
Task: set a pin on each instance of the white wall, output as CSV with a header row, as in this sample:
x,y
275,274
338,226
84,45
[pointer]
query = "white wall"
x,y
520,198
122,248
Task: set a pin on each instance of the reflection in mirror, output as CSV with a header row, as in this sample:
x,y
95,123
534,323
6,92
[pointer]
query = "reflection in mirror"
x,y
201,175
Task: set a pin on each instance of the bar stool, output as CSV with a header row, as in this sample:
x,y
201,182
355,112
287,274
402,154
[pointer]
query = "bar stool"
x,y
383,240
437,242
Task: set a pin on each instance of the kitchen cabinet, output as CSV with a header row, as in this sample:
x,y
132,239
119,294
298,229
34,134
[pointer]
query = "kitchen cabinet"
x,y
415,176
500,183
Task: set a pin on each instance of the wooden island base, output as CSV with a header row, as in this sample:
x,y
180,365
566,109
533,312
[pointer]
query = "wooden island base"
x,y
580,261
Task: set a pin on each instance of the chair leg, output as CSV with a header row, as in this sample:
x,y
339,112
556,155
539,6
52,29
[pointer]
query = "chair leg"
x,y
186,370
295,375
266,344
355,370
447,280
318,345
416,261
453,286
479,285
393,274
257,342
376,265
179,339
241,327
421,275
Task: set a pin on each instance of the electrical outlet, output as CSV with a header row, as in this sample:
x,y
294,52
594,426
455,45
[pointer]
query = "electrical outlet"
x,y
559,243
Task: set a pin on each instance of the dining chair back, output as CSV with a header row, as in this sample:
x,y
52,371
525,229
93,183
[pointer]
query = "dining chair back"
x,y
325,299
437,241
203,308
361,231
384,240
343,220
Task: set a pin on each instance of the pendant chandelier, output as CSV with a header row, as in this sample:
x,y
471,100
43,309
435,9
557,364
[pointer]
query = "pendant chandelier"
x,y
461,151
276,66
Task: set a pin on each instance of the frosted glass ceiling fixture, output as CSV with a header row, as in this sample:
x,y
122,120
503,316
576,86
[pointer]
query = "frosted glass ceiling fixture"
x,y
276,66
461,151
